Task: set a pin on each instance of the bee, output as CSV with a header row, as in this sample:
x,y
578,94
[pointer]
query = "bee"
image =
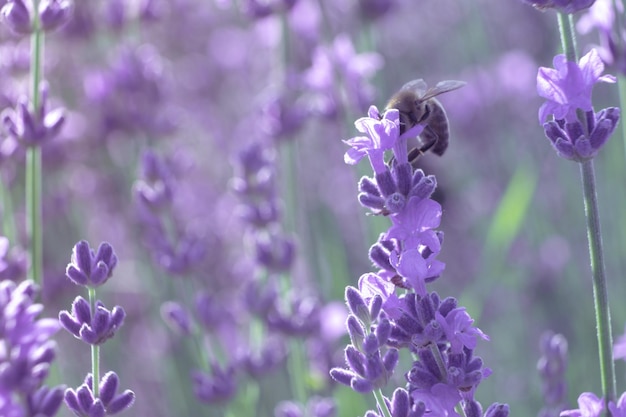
x,y
417,104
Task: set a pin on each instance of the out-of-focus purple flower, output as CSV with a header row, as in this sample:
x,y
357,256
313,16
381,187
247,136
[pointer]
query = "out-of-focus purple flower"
x,y
552,366
563,6
130,95
257,9
315,407
16,15
375,9
26,353
177,317
93,329
600,15
54,14
589,405
45,402
33,128
217,387
268,358
567,87
618,409
619,347
83,403
354,70
13,263
91,269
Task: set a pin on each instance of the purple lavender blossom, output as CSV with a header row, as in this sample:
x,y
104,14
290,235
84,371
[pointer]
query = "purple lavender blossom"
x,y
619,347
567,89
563,6
13,263
88,268
54,14
552,366
33,128
16,15
315,407
618,409
217,387
601,16
27,352
589,405
83,403
93,329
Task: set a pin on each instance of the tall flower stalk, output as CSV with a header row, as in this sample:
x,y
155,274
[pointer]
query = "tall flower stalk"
x,y
577,133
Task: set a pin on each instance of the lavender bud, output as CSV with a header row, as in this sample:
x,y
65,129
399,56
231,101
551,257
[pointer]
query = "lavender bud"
x,y
177,317
472,408
386,184
54,14
357,304
497,410
16,16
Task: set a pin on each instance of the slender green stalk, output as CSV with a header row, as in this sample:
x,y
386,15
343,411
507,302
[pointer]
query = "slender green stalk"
x,y
568,37
382,406
95,350
594,236
600,292
33,157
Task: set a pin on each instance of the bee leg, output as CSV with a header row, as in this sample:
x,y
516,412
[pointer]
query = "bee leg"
x,y
430,134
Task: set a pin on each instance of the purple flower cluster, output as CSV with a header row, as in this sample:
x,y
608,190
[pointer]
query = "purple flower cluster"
x,y
173,246
26,353
33,127
567,89
589,405
552,366
91,322
52,14
438,332
602,16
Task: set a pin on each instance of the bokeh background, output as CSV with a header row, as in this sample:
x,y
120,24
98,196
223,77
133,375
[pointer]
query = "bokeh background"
x,y
196,81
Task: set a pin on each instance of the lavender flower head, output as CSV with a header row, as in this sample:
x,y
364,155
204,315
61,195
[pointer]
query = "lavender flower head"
x,y
563,6
567,89
91,269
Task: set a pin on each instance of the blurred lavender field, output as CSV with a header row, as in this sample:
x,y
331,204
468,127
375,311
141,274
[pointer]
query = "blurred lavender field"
x,y
202,140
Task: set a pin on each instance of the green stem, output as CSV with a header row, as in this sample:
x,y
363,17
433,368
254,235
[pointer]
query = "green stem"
x,y
600,293
33,157
382,406
95,350
568,37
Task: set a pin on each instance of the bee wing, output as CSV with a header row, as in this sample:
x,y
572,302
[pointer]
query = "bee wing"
x,y
419,87
442,87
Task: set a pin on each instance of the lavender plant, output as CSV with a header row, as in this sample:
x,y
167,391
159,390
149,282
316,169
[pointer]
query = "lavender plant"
x,y
91,322
439,333
577,133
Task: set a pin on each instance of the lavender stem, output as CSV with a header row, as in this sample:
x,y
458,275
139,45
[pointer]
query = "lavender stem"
x,y
594,236
95,350
33,157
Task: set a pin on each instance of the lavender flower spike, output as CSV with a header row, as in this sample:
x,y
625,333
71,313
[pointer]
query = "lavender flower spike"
x,y
91,269
96,329
16,15
567,89
83,404
32,128
54,14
